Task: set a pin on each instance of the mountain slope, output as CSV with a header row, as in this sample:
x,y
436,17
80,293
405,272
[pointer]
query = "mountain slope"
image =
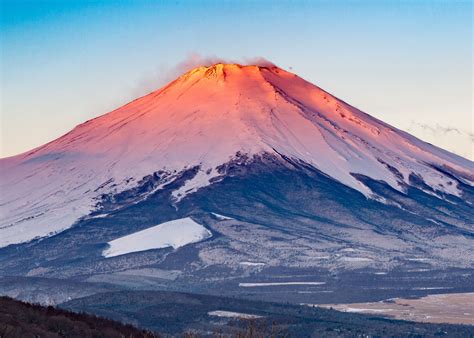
x,y
204,120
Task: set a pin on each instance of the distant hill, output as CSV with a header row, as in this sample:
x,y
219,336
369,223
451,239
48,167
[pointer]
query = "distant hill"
x,y
22,320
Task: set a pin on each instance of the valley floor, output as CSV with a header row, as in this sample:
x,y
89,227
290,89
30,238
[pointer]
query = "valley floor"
x,y
174,313
454,308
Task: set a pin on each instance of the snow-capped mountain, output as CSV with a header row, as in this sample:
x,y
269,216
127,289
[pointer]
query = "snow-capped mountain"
x,y
204,120
237,180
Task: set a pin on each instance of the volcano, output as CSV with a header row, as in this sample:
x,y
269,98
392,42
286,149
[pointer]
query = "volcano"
x,y
273,171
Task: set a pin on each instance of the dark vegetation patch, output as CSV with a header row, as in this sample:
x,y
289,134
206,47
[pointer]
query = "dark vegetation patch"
x,y
23,320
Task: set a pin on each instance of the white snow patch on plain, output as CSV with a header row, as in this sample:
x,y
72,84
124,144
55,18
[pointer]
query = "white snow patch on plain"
x,y
356,259
251,285
357,310
221,217
418,259
252,263
318,291
230,314
174,234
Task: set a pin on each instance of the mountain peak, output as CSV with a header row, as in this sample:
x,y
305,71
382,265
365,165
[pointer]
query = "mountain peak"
x,y
234,66
222,70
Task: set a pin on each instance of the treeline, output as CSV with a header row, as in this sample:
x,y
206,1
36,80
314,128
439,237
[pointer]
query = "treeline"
x,y
24,320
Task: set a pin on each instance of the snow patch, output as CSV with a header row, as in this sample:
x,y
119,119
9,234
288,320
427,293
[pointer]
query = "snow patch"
x,y
252,285
418,259
361,310
252,263
97,216
176,234
230,314
356,259
221,217
317,291
201,179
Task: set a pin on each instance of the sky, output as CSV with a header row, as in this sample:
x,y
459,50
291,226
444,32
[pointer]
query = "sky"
x,y
408,63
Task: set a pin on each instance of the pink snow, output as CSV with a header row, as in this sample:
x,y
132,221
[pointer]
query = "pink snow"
x,y
204,118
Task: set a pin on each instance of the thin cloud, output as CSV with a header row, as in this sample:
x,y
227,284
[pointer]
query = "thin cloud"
x,y
438,129
259,61
456,140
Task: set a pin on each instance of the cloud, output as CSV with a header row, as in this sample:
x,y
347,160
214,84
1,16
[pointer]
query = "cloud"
x,y
258,61
438,129
456,140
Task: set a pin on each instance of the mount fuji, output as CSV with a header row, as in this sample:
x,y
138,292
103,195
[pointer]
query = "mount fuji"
x,y
232,175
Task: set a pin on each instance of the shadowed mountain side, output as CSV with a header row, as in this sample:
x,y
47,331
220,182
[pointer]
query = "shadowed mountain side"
x,y
281,218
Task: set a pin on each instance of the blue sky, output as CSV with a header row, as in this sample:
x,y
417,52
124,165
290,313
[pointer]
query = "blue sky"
x,y
408,63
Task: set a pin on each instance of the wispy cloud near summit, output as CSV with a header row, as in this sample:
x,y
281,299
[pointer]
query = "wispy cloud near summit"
x,y
457,140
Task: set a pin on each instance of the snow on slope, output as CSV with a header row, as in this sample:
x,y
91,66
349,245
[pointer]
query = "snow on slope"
x,y
221,217
231,314
203,119
174,234
252,285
